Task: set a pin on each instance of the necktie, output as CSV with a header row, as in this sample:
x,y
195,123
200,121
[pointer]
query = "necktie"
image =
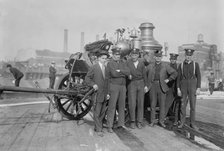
x,y
103,70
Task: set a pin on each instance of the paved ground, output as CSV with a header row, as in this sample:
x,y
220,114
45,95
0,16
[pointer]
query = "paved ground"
x,y
28,127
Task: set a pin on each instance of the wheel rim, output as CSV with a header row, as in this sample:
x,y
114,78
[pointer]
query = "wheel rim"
x,y
70,106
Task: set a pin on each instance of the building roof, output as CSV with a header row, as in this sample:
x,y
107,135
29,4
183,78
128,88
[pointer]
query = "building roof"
x,y
51,54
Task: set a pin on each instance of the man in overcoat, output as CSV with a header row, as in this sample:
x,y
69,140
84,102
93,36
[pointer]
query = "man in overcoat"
x,y
188,86
97,78
159,74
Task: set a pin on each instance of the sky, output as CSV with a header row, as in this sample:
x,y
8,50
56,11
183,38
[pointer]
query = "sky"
x,y
28,25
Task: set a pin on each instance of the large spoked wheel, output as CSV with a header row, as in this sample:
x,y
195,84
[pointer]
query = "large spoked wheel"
x,y
73,107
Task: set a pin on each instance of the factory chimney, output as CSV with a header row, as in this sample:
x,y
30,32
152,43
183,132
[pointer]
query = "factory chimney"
x,y
82,41
66,40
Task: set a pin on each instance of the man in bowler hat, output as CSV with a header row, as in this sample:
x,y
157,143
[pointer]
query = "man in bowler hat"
x,y
136,88
97,78
188,86
159,74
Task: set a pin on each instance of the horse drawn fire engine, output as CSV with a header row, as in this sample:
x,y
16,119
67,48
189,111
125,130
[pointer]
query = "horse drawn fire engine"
x,y
72,97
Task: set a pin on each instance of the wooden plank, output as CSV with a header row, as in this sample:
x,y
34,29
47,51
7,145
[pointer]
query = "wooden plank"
x,y
18,136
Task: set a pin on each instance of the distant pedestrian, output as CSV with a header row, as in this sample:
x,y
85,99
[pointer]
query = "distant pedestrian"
x,y
159,74
211,82
52,75
136,88
188,86
18,75
97,78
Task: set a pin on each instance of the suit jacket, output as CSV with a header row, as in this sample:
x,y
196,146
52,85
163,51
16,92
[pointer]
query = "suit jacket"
x,y
95,76
139,72
166,72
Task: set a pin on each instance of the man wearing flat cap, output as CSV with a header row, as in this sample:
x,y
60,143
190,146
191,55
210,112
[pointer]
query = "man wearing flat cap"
x,y
117,74
188,86
159,74
136,88
97,78
52,75
172,93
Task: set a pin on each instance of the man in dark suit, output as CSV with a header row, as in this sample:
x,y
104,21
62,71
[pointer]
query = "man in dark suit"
x,y
117,74
188,86
172,93
97,79
52,75
159,74
18,75
136,88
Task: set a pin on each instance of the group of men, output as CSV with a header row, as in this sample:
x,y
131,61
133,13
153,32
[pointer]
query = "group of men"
x,y
165,83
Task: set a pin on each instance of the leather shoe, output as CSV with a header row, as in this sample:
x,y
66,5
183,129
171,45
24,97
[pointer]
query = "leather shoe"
x,y
162,124
175,123
110,130
139,125
152,124
132,125
181,125
194,127
100,134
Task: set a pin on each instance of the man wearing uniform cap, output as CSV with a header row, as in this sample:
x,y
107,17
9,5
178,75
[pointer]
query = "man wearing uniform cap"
x,y
18,75
172,93
97,78
117,74
52,75
188,86
159,74
136,88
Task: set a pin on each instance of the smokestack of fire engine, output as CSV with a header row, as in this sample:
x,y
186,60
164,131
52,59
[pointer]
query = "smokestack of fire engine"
x,y
148,43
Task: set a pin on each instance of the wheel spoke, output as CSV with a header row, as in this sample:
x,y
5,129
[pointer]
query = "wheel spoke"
x,y
68,106
85,103
65,102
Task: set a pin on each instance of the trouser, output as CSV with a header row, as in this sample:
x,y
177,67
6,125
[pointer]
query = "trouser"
x,y
211,87
188,90
52,81
156,94
117,93
136,98
17,81
169,100
177,109
98,115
